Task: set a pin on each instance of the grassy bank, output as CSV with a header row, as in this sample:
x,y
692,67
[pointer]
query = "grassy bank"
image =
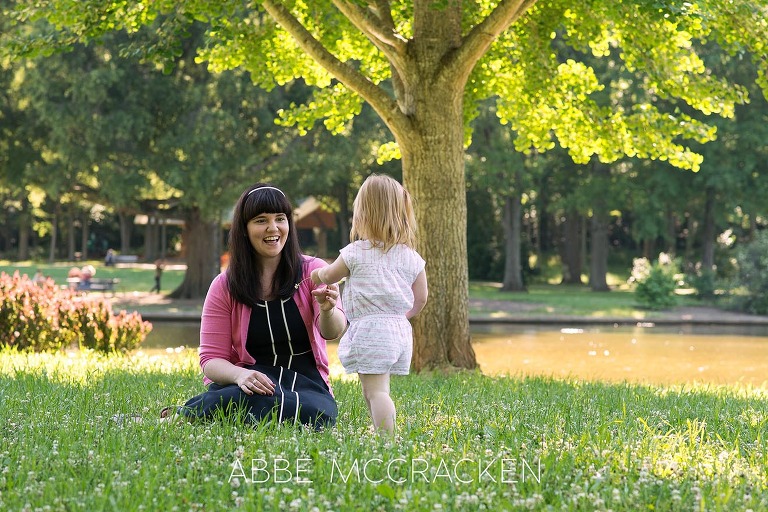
x,y
466,442
134,277
570,300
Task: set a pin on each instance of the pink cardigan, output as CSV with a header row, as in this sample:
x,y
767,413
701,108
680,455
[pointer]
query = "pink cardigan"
x,y
224,323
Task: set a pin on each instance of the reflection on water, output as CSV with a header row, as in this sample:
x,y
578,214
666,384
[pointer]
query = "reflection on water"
x,y
650,354
659,355
173,334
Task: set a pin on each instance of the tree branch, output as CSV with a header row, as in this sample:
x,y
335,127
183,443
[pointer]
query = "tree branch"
x,y
382,36
480,38
382,103
382,9
379,27
376,23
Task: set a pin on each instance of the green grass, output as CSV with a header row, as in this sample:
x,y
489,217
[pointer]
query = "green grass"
x,y
132,278
569,300
465,442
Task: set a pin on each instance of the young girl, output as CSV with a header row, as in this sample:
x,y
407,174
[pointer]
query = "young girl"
x,y
386,286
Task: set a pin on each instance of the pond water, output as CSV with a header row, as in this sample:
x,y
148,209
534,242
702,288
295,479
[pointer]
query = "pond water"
x,y
641,354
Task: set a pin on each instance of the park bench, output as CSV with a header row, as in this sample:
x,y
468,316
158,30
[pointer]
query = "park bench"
x,y
96,284
126,258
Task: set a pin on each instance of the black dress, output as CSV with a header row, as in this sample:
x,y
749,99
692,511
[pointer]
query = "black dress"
x,y
278,341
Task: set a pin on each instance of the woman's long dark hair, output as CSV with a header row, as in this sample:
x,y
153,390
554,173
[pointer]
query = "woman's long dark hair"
x,y
243,274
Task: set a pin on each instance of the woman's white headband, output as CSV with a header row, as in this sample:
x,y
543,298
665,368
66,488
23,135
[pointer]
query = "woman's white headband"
x,y
262,188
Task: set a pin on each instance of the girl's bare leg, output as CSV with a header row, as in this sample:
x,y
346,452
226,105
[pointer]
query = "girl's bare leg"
x,y
380,404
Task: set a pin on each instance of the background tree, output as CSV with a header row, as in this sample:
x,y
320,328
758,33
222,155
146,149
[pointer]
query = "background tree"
x,y
120,132
505,177
218,136
570,204
734,169
99,111
442,58
20,140
657,195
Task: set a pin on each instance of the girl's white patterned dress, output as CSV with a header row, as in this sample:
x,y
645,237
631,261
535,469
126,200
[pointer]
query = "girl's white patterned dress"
x,y
376,297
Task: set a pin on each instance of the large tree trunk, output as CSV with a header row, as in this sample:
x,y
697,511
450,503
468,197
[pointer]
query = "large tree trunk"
x,y
571,251
125,231
649,248
24,227
321,238
512,225
690,238
433,171
201,250
671,235
598,267
84,235
598,263
71,249
544,219
54,234
709,232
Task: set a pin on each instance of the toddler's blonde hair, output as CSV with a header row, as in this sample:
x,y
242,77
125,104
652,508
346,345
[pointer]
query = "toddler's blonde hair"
x,y
383,213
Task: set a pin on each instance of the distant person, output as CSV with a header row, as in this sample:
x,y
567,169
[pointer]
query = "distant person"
x,y
39,278
386,287
109,259
264,324
159,265
73,278
86,273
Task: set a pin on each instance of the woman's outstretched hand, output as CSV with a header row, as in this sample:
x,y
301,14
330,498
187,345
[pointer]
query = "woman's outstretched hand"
x,y
326,296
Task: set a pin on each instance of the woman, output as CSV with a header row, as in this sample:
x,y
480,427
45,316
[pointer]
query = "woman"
x,y
264,323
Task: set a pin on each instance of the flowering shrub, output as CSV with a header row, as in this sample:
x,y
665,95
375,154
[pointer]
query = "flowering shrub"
x,y
655,283
42,317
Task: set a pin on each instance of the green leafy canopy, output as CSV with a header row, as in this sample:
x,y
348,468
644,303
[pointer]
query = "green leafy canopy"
x,y
541,70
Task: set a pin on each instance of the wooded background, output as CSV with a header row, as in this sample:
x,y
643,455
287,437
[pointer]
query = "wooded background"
x,y
581,129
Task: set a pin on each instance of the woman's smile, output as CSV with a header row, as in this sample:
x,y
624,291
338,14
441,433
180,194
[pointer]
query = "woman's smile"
x,y
268,233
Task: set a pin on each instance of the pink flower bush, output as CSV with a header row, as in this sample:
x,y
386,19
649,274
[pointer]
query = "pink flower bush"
x,y
41,317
